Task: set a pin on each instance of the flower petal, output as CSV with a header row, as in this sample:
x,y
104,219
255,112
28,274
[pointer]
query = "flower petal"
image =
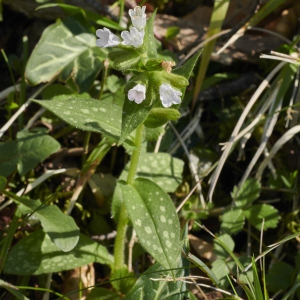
x,y
137,93
169,95
133,37
106,38
138,17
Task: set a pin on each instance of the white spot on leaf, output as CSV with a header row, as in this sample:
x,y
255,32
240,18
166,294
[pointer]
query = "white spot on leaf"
x,y
148,229
162,218
162,208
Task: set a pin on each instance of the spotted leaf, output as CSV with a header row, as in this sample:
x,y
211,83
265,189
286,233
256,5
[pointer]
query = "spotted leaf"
x,y
87,113
154,219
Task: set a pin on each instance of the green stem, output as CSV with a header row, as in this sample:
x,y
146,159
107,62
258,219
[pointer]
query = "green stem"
x,y
104,77
136,154
119,247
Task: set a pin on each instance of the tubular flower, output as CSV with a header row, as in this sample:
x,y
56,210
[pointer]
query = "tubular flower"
x,y
169,95
106,38
138,17
137,93
133,37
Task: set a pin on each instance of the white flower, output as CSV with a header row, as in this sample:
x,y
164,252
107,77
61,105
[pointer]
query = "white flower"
x,y
134,37
106,38
138,17
169,95
137,93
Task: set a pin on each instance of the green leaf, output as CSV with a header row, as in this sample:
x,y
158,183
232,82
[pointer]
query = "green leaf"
x,y
187,69
65,45
280,276
89,15
224,239
61,228
150,44
157,284
26,152
154,219
124,59
159,116
87,113
84,69
265,10
33,148
247,193
258,212
256,282
161,168
203,267
221,269
133,115
233,221
36,254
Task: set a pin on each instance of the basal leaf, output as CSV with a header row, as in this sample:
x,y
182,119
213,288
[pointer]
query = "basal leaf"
x,y
247,193
161,168
63,45
24,153
61,228
227,240
90,15
33,148
84,68
256,213
155,221
280,276
36,254
87,113
153,285
233,221
221,269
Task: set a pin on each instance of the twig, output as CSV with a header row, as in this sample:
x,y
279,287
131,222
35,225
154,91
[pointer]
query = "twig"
x,y
6,126
22,108
130,250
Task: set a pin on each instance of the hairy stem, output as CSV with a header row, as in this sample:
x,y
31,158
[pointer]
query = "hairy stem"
x,y
119,246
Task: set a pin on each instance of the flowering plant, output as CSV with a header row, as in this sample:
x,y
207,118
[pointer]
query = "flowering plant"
x,y
147,96
152,83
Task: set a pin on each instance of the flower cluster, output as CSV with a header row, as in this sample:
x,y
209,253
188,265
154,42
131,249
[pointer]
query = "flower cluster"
x,y
134,37
167,94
